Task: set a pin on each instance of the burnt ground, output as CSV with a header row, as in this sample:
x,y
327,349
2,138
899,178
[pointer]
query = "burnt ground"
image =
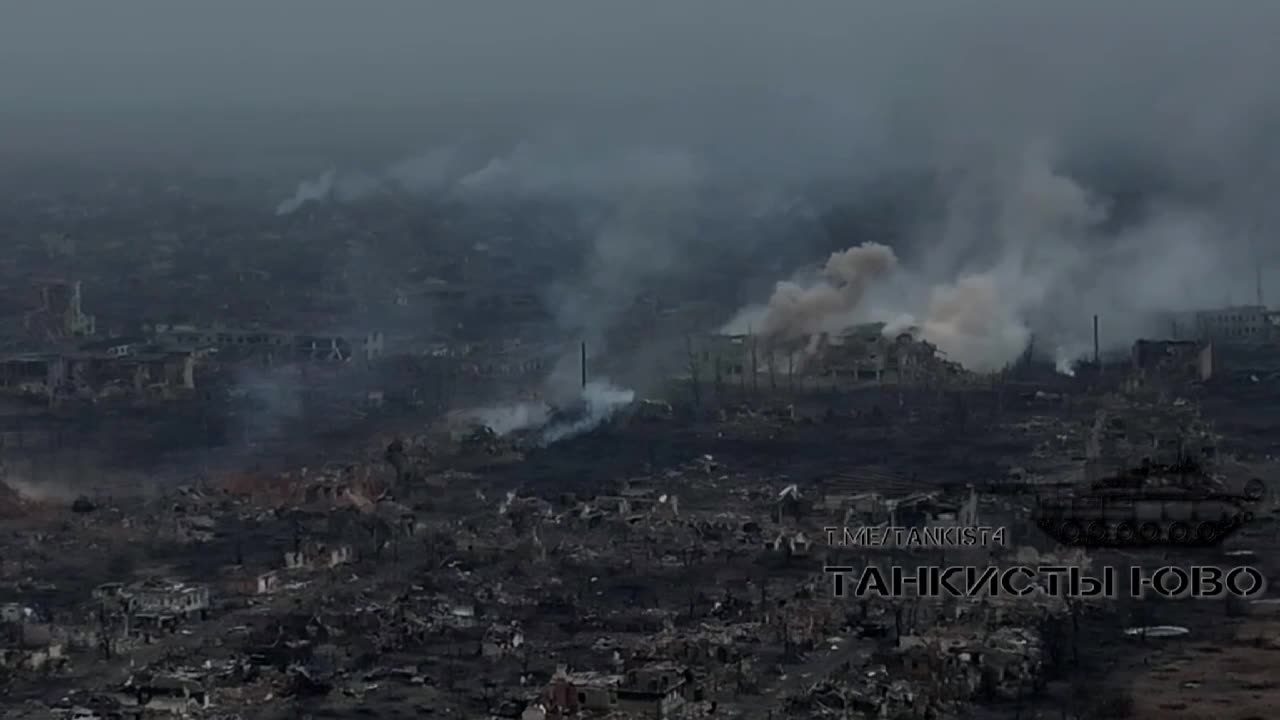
x,y
922,445
934,447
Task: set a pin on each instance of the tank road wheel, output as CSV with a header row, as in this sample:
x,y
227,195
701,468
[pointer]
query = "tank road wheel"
x,y
1207,532
1248,518
1149,532
1098,532
1179,532
1126,532
1071,532
1255,489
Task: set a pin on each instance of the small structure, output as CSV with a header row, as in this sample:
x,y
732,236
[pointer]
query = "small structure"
x,y
656,690
164,604
569,693
1173,360
340,555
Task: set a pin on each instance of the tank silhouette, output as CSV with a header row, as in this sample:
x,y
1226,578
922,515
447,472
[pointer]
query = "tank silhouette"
x,y
1175,504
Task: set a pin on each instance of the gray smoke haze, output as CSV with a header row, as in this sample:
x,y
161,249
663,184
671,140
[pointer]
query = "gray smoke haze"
x,y
1029,119
554,170
787,89
506,419
596,403
600,401
1020,249
270,399
1025,248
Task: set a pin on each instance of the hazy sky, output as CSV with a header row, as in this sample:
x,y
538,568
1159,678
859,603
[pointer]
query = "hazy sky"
x,y
824,80
1134,56
794,88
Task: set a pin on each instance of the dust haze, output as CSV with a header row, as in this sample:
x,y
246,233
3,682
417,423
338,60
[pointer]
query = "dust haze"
x,y
1089,158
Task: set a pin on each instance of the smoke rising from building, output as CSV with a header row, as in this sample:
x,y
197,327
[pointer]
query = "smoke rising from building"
x,y
1019,248
800,309
968,322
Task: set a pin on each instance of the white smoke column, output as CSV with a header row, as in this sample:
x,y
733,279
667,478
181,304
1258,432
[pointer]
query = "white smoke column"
x,y
968,322
309,191
1065,365
506,419
1031,230
798,311
602,400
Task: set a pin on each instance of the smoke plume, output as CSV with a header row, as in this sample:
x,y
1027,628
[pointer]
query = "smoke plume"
x,y
1019,249
594,405
600,401
310,190
970,325
800,310
506,419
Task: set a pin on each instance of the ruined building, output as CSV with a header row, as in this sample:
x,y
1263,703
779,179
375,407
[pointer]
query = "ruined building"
x,y
1236,325
1172,361
862,355
283,347
58,313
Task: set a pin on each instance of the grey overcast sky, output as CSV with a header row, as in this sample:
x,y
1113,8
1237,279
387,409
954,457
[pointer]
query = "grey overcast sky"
x,y
1186,73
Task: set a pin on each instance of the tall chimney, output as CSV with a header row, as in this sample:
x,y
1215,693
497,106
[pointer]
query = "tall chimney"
x,y
1097,357
584,364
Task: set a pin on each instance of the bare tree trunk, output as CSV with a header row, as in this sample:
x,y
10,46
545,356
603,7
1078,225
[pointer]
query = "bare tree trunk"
x,y
719,380
694,373
773,375
755,368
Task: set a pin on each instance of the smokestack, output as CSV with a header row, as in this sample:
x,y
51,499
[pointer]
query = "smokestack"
x,y
584,365
1097,360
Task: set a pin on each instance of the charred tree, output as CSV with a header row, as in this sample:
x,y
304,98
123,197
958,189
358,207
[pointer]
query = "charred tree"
x,y
695,379
755,367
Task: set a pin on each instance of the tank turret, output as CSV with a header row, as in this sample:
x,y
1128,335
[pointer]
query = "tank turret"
x,y
1151,504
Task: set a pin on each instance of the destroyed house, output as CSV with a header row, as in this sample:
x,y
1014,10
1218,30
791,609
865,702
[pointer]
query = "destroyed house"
x,y
238,581
569,693
131,366
1186,360
57,312
32,372
315,347
173,694
126,366
655,690
862,354
162,601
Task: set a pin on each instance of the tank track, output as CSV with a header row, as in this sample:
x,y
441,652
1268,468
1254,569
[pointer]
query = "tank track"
x,y
1070,524
1131,533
